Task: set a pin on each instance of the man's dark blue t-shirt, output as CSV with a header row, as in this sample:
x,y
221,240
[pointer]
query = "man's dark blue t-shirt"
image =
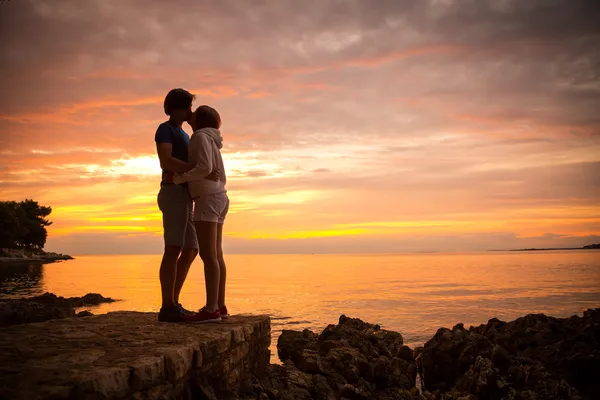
x,y
168,133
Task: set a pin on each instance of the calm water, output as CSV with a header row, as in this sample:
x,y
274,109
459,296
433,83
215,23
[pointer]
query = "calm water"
x,y
414,294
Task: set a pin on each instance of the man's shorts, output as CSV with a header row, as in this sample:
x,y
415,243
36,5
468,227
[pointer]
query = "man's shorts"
x,y
176,205
211,208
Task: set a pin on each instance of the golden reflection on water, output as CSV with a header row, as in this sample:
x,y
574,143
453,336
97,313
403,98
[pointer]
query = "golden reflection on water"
x,y
411,293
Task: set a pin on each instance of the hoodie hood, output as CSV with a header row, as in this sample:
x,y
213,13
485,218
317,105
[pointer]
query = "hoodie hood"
x,y
214,134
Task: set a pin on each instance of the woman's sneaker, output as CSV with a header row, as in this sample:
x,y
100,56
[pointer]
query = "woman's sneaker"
x,y
223,312
203,316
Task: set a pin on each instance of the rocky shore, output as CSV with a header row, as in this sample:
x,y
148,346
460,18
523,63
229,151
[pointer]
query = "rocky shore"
x,y
30,255
533,357
46,306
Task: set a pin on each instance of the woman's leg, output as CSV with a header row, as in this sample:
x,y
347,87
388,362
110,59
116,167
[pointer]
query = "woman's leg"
x,y
207,243
222,268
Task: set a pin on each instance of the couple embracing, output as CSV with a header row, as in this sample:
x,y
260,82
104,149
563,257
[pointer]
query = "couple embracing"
x,y
193,201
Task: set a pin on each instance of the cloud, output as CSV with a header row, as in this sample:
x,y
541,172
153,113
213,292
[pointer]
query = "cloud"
x,y
434,110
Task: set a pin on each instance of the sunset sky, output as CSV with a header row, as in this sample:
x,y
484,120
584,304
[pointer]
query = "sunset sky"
x,y
349,126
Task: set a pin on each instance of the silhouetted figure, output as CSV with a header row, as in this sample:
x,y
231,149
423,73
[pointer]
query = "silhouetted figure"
x,y
211,205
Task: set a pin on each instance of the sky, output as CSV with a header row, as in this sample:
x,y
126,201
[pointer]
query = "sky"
x,y
349,126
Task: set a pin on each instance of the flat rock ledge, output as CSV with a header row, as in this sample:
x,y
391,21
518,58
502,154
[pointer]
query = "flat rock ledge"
x,y
130,355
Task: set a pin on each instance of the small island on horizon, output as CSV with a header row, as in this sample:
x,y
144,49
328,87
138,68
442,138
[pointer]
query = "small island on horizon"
x,y
594,246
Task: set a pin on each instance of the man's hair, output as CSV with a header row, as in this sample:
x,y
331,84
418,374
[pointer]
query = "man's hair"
x,y
207,117
178,99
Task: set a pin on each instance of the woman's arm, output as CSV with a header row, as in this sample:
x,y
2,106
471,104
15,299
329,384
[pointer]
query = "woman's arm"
x,y
201,149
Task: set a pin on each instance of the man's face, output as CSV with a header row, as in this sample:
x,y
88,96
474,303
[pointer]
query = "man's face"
x,y
182,114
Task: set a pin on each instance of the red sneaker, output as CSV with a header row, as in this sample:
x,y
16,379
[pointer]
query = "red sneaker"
x,y
223,312
203,317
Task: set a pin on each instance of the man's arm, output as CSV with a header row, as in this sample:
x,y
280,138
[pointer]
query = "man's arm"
x,y
168,162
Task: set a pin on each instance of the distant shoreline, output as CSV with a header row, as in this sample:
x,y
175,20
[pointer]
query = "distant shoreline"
x,y
590,247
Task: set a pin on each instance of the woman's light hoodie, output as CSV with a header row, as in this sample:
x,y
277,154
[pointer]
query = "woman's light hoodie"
x,y
204,152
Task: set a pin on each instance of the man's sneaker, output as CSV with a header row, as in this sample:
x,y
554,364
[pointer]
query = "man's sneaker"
x,y
203,316
171,314
223,312
183,311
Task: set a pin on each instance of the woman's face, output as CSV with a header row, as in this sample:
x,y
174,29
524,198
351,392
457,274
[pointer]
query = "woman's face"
x,y
192,119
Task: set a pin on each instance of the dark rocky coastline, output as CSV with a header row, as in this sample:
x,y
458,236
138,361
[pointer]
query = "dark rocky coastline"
x,y
30,255
533,357
46,306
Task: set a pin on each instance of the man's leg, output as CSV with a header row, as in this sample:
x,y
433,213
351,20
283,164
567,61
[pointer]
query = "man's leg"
x,y
188,254
174,224
167,274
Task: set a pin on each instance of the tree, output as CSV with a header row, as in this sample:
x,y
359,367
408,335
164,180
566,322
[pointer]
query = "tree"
x,y
12,224
36,223
9,224
23,224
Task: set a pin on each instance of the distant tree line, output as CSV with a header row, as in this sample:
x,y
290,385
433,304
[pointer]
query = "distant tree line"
x,y
23,224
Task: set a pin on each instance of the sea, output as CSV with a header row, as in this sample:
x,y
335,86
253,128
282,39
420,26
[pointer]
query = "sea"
x,y
414,294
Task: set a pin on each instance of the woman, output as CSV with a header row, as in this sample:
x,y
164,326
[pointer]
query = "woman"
x,y
210,208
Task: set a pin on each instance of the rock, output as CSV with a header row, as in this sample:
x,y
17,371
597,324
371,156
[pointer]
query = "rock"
x,y
449,354
84,313
350,392
14,312
532,357
310,362
482,379
31,255
93,299
127,355
90,299
44,307
291,344
352,359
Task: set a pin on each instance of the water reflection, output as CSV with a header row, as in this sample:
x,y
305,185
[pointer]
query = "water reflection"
x,y
21,280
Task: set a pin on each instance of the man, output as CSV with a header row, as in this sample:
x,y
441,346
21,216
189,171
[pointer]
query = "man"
x,y
181,244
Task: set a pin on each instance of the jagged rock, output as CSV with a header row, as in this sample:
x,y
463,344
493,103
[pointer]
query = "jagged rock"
x,y
84,313
44,307
532,357
483,380
353,360
310,362
14,312
90,299
291,344
449,354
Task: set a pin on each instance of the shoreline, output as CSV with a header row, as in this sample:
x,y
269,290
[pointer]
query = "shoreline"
x,y
591,247
533,356
47,306
19,256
